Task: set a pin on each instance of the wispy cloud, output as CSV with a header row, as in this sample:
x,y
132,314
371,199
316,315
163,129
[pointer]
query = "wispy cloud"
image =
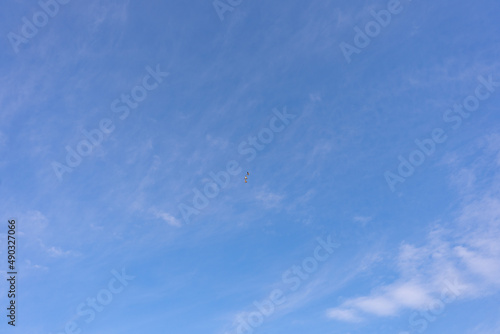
x,y
468,254
31,266
167,217
269,199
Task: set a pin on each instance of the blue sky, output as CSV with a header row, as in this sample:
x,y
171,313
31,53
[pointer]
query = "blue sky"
x,y
320,239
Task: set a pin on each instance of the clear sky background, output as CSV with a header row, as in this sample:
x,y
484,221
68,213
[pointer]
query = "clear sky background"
x,y
422,256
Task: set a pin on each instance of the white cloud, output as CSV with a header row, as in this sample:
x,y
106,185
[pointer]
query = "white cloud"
x,y
167,217
470,256
386,302
467,253
410,295
32,224
219,143
362,219
269,199
29,265
378,305
344,315
57,252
